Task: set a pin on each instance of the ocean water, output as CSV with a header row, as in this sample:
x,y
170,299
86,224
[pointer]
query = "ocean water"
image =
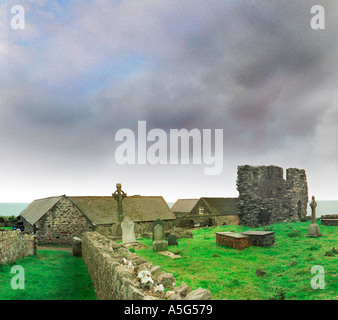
x,y
12,209
323,208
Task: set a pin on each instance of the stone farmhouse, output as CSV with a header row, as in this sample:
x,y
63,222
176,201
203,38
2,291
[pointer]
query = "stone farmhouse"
x,y
205,211
59,219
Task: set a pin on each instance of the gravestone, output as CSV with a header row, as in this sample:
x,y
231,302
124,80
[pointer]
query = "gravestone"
x,y
313,228
159,244
156,222
172,240
128,234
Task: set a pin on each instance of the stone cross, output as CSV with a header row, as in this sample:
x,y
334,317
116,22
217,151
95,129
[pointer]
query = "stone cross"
x,y
313,206
313,228
128,234
119,195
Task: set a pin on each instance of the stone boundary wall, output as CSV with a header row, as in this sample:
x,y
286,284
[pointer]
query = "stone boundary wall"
x,y
15,245
119,274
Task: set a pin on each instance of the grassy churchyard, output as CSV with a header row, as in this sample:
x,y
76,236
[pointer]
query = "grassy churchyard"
x,y
231,273
285,268
51,275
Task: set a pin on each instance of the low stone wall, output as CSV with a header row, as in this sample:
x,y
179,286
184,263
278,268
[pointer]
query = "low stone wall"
x,y
15,245
119,274
329,222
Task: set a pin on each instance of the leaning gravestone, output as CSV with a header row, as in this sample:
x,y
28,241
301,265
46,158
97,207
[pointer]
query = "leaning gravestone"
x,y
128,234
159,244
172,240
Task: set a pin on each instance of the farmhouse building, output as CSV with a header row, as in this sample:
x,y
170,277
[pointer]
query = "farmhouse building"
x,y
59,219
205,211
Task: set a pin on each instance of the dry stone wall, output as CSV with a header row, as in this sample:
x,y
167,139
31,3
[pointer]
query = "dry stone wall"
x,y
119,274
265,197
15,245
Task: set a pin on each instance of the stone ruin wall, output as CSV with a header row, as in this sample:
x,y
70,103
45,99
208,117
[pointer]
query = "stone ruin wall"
x,y
265,197
15,245
114,270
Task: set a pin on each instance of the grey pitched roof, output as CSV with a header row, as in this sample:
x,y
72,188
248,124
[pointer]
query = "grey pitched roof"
x,y
184,205
103,210
38,208
222,206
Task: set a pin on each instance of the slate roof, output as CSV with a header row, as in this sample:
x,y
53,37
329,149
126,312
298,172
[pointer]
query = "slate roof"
x,y
219,206
103,210
184,205
38,208
222,206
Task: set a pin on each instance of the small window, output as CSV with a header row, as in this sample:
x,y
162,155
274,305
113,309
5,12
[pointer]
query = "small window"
x,y
201,210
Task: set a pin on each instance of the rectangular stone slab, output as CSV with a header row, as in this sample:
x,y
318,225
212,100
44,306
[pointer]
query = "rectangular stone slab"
x,y
232,235
170,254
257,233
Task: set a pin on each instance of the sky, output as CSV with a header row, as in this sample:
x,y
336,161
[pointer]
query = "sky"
x,y
80,71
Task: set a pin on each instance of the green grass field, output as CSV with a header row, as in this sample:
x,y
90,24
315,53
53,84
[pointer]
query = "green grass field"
x,y
51,275
231,274
228,273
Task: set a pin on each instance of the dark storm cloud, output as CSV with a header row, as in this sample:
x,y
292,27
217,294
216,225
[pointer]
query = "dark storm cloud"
x,y
255,69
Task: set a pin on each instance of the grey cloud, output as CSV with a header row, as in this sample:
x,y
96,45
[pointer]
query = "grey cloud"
x,y
253,68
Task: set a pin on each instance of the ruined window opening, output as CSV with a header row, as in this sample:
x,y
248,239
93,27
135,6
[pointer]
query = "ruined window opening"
x,y
264,217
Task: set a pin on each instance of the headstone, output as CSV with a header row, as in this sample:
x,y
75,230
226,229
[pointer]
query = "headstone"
x,y
172,240
313,228
159,244
156,222
128,234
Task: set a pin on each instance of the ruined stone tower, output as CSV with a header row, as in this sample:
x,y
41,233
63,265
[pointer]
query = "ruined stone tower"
x,y
265,197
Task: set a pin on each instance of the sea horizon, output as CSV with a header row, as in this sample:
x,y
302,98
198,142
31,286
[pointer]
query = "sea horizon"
x,y
324,207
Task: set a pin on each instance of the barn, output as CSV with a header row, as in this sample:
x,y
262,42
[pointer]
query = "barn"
x,y
206,211
59,219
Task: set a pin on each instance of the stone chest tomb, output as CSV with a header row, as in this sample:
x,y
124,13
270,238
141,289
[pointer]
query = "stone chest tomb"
x,y
233,240
260,238
265,197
